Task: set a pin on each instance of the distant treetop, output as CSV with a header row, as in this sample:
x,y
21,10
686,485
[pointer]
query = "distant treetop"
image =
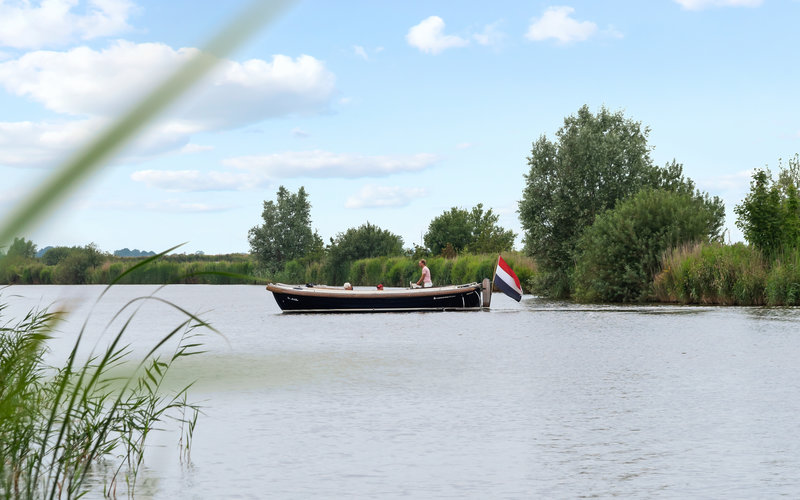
x,y
126,252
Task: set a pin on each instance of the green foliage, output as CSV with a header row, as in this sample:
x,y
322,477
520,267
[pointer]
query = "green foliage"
x,y
618,255
769,216
88,265
712,273
22,248
783,279
472,231
55,255
363,242
286,233
596,161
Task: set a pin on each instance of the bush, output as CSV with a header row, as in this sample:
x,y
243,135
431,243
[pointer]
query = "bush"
x,y
619,255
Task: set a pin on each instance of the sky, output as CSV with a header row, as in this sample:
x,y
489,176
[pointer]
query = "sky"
x,y
386,112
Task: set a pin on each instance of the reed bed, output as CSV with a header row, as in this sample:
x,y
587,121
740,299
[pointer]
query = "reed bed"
x,y
223,271
738,274
65,428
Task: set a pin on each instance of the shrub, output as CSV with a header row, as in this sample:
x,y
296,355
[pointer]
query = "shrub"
x,y
619,255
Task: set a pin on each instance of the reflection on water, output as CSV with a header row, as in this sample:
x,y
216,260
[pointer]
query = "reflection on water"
x,y
536,399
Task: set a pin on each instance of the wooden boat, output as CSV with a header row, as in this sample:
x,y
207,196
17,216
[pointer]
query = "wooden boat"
x,y
322,298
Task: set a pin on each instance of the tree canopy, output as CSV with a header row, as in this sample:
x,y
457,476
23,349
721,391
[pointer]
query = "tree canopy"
x,y
474,231
365,241
286,233
595,161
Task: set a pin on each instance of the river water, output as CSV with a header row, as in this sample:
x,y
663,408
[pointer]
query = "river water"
x,y
535,399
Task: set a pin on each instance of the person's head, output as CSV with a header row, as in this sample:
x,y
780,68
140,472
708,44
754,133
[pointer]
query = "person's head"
x,y
348,286
422,263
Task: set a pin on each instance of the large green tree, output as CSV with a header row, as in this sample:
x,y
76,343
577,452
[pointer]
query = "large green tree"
x,y
595,161
363,242
474,231
286,233
619,255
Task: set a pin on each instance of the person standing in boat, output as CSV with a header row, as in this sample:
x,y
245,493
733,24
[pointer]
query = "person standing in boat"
x,y
425,279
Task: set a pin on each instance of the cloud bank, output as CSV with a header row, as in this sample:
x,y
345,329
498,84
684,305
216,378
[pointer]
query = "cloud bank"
x,y
91,86
254,172
326,164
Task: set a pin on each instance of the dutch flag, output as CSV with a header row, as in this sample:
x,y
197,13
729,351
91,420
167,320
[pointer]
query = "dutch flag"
x,y
506,280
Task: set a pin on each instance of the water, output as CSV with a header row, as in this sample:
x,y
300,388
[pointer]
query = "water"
x,y
531,400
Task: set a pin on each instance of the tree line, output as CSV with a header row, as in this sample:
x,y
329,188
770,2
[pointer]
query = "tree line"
x,y
605,224
601,223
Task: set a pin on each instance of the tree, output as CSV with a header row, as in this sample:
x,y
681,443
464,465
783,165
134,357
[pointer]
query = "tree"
x,y
473,231
363,242
23,248
286,233
487,236
619,255
596,161
55,255
451,227
769,216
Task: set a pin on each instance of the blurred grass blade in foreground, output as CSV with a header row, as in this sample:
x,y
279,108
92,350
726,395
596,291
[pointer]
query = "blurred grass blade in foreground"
x,y
87,160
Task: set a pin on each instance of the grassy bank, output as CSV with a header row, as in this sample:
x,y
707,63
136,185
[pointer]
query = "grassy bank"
x,y
80,268
729,275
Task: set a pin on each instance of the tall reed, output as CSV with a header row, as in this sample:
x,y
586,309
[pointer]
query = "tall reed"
x,y
712,273
58,423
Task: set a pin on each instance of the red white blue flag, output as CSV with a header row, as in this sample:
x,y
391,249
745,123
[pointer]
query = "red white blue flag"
x,y
506,281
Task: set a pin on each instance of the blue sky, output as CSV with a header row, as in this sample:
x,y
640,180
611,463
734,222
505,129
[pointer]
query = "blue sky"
x,y
387,112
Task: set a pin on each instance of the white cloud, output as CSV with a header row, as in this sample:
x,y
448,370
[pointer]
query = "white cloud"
x,y
194,180
259,171
556,23
704,4
44,144
83,81
95,85
371,196
428,36
31,25
464,145
41,144
324,164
